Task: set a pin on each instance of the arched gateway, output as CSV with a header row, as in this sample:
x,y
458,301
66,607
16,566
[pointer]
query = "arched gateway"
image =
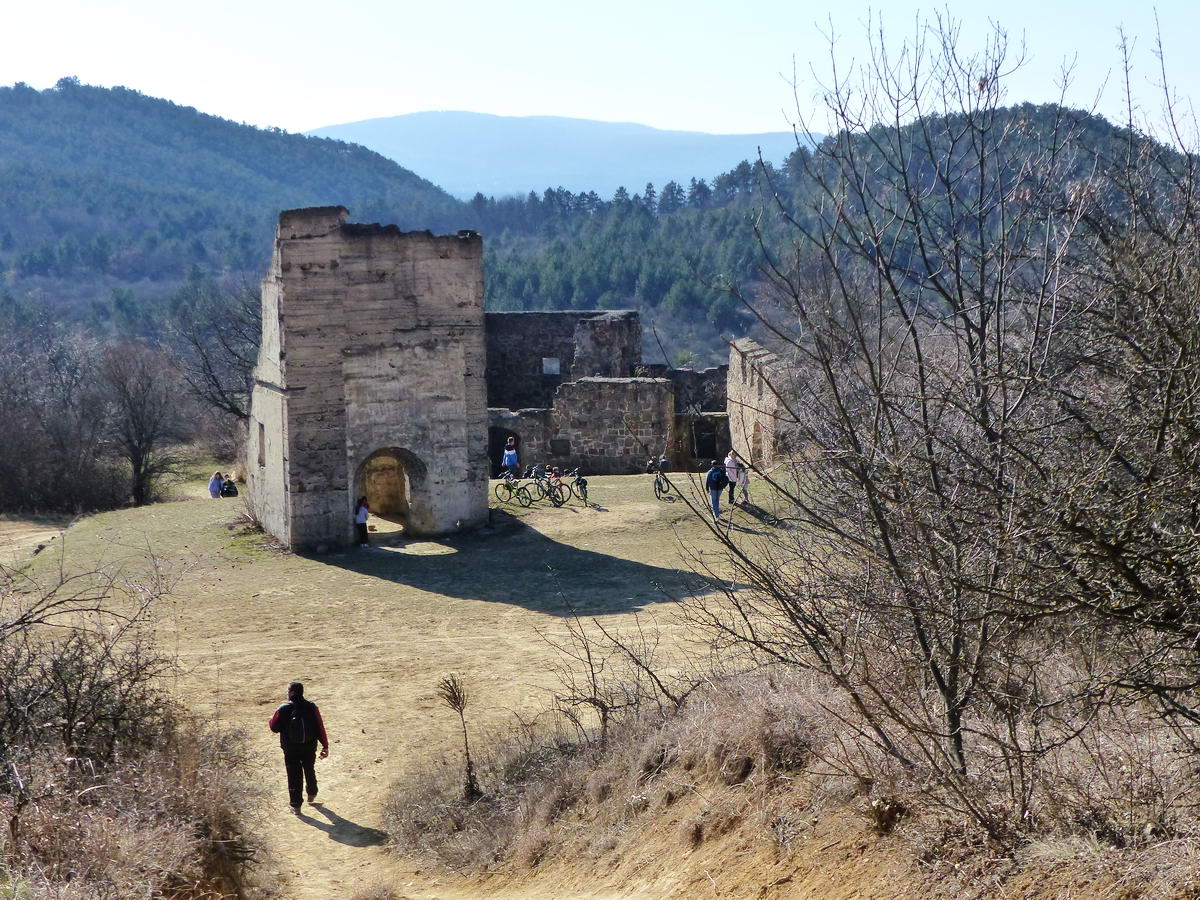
x,y
370,380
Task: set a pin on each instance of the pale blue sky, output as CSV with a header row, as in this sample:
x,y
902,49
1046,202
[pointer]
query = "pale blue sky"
x,y
703,66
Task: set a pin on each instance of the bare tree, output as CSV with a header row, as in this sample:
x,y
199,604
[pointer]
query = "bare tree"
x,y
959,297
147,418
218,328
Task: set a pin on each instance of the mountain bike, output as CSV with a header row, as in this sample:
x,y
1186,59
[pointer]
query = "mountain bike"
x,y
578,486
510,489
662,487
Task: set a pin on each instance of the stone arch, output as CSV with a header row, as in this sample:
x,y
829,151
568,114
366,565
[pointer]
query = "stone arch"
x,y
756,445
498,436
394,482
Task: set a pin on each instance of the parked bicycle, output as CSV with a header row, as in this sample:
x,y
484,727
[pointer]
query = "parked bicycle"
x,y
578,486
538,482
558,491
662,487
509,489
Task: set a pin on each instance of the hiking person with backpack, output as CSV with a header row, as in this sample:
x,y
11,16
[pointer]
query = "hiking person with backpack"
x,y
716,482
299,726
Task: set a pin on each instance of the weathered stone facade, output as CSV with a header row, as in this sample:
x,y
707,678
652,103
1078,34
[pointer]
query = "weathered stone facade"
x,y
754,410
607,426
529,354
370,380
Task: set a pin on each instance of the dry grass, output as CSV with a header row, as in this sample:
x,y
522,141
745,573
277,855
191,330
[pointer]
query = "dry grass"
x,y
767,756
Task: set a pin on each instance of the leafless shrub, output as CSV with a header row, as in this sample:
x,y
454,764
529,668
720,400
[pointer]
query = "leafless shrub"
x,y
107,786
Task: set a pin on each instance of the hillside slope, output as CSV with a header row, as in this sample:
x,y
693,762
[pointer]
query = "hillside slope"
x,y
468,152
112,185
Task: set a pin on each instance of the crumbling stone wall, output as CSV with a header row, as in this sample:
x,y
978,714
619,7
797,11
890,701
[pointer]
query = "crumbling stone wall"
x,y
754,410
580,344
370,374
603,426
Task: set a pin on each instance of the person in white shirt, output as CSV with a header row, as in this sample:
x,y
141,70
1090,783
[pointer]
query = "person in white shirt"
x,y
733,471
361,512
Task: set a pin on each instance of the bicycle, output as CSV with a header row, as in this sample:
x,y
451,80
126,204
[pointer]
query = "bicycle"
x,y
558,491
509,488
662,487
537,482
578,486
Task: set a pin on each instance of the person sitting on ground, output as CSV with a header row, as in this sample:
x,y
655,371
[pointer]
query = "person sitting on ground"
x,y
215,484
715,482
229,488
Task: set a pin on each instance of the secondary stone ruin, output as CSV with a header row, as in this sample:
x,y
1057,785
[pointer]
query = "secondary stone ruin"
x,y
571,388
370,381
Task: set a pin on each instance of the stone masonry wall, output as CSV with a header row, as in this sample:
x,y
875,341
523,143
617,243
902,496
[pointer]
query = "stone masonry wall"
x,y
753,408
588,343
612,425
373,343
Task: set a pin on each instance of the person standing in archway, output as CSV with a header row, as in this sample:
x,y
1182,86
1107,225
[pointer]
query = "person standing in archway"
x,y
362,512
508,459
300,727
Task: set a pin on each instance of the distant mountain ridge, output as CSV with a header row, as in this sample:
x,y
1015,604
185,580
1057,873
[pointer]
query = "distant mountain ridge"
x,y
466,152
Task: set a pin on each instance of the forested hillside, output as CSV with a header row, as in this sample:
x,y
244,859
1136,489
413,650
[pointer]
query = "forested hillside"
x,y
102,188
111,200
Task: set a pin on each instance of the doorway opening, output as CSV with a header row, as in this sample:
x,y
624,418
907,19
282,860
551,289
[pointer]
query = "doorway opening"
x,y
497,437
389,478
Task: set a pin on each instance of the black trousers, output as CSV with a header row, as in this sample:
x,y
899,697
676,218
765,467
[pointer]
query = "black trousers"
x,y
361,529
300,762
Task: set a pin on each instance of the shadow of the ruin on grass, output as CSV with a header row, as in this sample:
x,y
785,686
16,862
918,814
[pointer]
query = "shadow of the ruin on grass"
x,y
509,562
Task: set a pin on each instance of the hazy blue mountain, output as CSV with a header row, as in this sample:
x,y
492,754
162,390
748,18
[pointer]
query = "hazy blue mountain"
x,y
465,152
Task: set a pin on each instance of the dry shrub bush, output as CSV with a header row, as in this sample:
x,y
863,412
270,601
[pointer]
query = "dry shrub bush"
x,y
777,748
108,788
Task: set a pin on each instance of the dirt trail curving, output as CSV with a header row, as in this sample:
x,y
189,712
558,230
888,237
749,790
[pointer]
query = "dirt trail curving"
x,y
20,537
370,633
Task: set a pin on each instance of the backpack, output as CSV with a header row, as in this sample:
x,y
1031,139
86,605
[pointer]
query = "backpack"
x,y
720,482
301,726
229,489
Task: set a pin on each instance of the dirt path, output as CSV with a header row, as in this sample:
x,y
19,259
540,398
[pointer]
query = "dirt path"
x,y
370,633
19,537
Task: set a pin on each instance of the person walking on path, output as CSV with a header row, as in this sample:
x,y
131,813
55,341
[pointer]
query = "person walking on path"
x,y
214,485
508,459
733,471
744,483
300,726
716,482
361,513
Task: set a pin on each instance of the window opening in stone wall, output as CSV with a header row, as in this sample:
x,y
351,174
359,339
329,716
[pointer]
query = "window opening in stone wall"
x,y
262,445
551,365
560,447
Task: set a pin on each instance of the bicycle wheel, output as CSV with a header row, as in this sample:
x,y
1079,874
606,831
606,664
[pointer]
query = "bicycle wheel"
x,y
661,487
504,492
537,490
523,497
556,494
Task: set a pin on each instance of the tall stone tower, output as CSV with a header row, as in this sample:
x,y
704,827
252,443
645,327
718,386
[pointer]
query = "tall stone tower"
x,y
370,381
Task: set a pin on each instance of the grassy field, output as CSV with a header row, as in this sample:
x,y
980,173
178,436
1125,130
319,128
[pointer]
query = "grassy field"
x,y
371,632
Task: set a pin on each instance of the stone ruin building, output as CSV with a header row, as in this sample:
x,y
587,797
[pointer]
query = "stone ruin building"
x,y
370,381
379,374
571,388
755,414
